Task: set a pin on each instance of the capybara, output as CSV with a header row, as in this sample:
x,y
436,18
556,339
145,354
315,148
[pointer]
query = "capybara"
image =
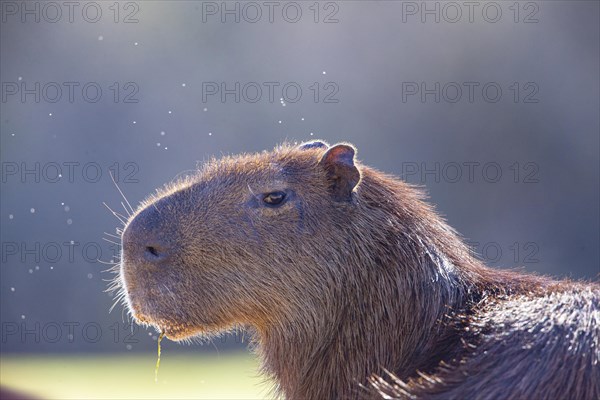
x,y
351,285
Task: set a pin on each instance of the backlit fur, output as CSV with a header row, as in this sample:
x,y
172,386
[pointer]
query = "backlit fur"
x,y
375,296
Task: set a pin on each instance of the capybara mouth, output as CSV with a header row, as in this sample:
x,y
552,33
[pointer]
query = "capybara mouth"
x,y
173,330
179,332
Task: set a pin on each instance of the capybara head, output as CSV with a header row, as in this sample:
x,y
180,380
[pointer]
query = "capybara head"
x,y
247,241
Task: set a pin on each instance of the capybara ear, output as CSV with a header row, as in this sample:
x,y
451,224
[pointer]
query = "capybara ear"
x,y
343,175
314,144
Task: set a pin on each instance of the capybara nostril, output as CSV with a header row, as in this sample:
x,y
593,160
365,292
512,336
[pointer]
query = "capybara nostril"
x,y
152,250
155,253
146,240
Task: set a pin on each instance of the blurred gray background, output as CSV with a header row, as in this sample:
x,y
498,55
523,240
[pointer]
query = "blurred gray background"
x,y
358,64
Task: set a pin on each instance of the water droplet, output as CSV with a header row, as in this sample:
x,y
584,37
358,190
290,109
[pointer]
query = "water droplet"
x,y
157,144
32,210
30,271
37,267
183,85
209,133
72,242
166,148
62,204
135,44
70,336
162,133
302,119
283,104
128,347
12,289
90,276
20,78
205,109
324,72
311,134
60,175
149,333
279,121
170,112
100,37
10,216
12,134
69,221
51,267
50,114
134,122
22,316
67,208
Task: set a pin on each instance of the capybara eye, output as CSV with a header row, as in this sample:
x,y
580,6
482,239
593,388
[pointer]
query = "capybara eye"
x,y
274,198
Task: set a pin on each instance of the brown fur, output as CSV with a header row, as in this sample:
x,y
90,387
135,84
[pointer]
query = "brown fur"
x,y
350,280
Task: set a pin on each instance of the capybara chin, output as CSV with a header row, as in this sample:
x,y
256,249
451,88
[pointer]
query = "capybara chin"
x,y
351,285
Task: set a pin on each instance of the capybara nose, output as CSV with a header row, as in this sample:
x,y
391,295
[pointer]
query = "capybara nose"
x,y
155,253
145,241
